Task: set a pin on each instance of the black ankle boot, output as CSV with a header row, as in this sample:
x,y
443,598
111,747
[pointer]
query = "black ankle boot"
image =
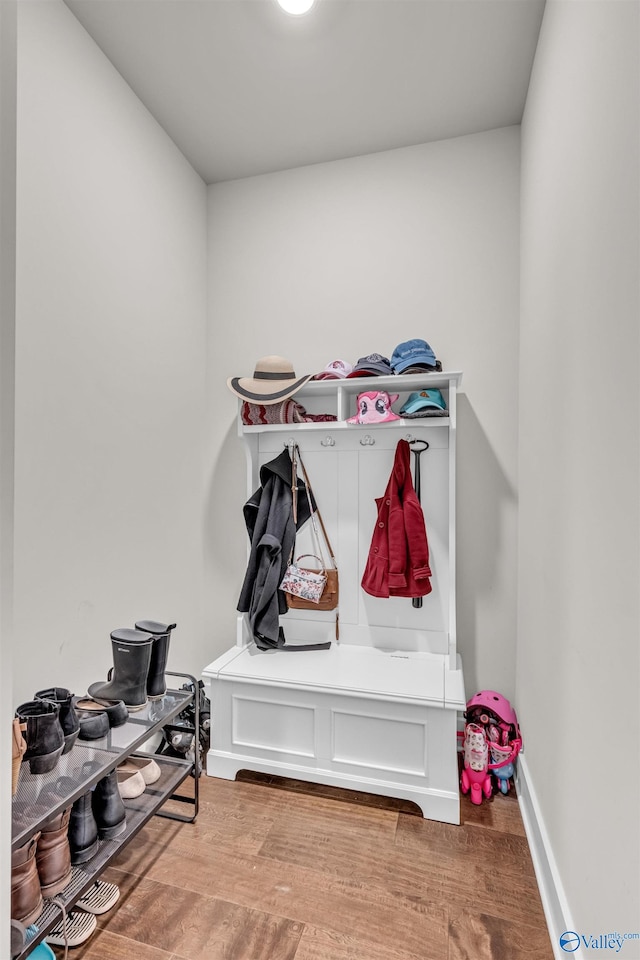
x,y
83,830
67,715
44,736
108,807
161,633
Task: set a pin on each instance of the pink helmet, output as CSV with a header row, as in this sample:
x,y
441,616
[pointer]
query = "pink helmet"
x,y
490,708
496,704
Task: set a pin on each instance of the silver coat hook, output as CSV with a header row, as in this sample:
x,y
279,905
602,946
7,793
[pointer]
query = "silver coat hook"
x,y
367,441
328,442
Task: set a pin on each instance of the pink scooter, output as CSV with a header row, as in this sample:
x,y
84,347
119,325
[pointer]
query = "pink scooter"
x,y
492,724
475,776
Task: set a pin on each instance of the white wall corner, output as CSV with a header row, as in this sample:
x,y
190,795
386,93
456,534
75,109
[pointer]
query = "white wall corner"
x,y
554,901
8,55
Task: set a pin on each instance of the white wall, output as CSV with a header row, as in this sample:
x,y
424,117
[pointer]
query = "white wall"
x,y
343,259
347,258
578,625
7,366
110,365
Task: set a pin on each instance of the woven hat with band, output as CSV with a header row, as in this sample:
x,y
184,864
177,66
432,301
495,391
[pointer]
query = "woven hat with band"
x,y
273,380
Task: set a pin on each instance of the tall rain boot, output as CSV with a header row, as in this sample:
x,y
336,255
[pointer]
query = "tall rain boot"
x,y
128,679
44,736
161,632
67,714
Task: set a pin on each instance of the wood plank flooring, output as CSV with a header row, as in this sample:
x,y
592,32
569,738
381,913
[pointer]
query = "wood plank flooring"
x,y
283,870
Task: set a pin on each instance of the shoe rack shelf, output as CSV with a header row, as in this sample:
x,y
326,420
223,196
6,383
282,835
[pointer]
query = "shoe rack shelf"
x,y
87,763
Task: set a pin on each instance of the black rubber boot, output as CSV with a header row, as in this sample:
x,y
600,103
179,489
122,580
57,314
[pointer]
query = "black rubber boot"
x,y
67,714
161,632
83,830
44,736
108,807
128,680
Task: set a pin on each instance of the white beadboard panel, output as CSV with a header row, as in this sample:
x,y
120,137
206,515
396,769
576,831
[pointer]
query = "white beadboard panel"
x,y
388,744
279,726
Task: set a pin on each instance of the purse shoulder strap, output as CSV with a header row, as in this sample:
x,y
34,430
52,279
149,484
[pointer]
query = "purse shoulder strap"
x,y
293,449
314,528
309,490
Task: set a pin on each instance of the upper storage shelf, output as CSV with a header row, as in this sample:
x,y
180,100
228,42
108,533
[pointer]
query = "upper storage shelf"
x,y
339,398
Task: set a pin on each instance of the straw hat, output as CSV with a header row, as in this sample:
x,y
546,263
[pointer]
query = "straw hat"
x,y
273,380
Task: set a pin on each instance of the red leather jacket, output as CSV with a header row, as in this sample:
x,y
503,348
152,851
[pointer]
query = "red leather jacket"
x,y
398,561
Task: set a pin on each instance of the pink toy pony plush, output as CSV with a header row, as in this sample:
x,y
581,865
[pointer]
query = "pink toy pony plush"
x,y
375,407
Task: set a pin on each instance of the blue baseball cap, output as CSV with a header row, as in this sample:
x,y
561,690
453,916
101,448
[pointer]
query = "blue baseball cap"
x,y
413,353
424,403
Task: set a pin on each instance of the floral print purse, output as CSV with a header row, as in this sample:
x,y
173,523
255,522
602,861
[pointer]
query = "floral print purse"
x,y
304,583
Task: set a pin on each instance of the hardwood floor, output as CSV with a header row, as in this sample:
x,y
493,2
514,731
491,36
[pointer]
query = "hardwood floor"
x,y
282,870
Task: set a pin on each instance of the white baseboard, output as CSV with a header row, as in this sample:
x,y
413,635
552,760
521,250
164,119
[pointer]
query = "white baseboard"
x,y
554,901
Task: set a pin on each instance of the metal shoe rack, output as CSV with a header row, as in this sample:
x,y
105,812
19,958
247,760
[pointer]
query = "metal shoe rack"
x,y
90,761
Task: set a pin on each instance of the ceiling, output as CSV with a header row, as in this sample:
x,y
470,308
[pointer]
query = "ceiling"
x,y
243,88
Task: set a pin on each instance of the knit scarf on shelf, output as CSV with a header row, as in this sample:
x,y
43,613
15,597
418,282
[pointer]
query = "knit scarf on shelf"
x,y
257,414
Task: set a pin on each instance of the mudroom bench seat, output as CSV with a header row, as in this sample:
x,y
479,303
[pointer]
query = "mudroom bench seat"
x,y
367,719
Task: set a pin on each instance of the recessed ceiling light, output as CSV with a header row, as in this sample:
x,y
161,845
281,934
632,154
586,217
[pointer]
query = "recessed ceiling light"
x,y
296,7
